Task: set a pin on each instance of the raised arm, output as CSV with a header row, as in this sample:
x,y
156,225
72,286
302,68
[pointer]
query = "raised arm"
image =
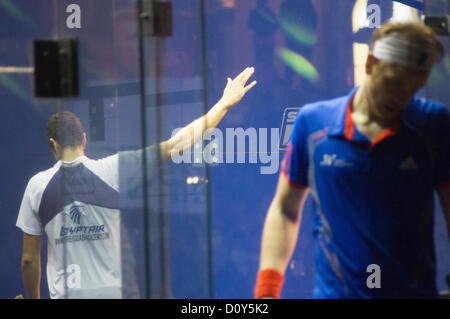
x,y
31,265
193,132
279,237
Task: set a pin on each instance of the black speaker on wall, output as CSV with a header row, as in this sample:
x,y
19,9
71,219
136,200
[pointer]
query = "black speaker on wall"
x,y
56,68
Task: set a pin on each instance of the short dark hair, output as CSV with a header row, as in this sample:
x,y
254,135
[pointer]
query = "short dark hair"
x,y
65,128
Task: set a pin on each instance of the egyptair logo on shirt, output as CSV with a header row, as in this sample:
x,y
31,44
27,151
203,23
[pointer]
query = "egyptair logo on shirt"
x,y
287,124
75,213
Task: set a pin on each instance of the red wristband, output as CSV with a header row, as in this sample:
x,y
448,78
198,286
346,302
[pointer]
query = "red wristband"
x,y
269,283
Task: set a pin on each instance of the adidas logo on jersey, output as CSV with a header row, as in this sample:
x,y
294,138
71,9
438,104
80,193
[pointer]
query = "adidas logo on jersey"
x,y
409,164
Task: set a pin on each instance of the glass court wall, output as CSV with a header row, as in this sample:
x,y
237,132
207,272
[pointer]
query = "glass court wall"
x,y
190,227
438,90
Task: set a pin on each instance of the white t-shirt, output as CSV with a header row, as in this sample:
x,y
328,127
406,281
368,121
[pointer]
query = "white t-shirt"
x,y
77,205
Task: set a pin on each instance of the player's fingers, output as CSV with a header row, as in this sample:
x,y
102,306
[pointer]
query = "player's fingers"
x,y
249,72
242,75
248,87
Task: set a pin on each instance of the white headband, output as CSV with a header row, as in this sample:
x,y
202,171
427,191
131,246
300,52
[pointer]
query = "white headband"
x,y
396,49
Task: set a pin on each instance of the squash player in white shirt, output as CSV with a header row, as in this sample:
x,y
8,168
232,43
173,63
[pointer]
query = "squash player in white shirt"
x,y
76,203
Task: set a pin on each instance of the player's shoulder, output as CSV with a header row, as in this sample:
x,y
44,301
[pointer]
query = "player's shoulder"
x,y
44,176
426,106
101,163
322,113
421,113
41,179
105,168
326,105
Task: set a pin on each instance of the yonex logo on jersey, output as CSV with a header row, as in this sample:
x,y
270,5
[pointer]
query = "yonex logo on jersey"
x,y
328,160
287,124
333,160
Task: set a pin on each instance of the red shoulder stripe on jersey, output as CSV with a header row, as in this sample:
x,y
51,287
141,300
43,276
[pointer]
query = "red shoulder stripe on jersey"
x,y
293,184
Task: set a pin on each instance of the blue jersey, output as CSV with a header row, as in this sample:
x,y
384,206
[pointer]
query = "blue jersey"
x,y
373,201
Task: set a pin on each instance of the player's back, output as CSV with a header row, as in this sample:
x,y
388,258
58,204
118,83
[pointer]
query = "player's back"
x,y
78,209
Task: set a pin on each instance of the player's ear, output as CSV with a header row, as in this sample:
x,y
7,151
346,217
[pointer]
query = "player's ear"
x,y
370,63
54,146
83,144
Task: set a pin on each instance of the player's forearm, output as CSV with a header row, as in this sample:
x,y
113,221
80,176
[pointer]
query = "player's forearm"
x,y
216,114
31,276
279,239
186,137
193,132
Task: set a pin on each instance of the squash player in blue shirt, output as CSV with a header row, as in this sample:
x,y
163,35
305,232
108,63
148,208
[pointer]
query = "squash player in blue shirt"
x,y
371,161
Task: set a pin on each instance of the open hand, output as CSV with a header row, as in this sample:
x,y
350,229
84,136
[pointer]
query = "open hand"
x,y
236,89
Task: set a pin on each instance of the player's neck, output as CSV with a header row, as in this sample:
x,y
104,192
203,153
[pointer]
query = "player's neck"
x,y
367,124
70,154
364,107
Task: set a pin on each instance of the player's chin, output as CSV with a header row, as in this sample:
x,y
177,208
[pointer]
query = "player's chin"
x,y
392,111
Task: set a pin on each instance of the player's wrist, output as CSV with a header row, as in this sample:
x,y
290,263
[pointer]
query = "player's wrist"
x,y
268,284
224,104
